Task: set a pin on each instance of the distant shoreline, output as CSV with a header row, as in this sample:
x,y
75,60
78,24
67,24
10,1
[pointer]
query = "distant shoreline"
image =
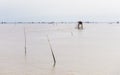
x,y
55,22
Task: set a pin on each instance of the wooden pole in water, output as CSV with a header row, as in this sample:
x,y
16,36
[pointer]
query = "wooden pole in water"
x,y
52,52
25,41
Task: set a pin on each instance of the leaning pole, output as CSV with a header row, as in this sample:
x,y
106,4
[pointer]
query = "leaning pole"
x,y
52,52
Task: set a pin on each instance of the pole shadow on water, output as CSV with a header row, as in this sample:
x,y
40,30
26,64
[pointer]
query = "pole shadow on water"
x,y
71,33
52,52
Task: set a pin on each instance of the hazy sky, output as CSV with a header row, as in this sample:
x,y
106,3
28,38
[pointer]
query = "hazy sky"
x,y
59,10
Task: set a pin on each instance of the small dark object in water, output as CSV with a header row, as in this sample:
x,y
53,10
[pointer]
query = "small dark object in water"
x,y
80,24
117,22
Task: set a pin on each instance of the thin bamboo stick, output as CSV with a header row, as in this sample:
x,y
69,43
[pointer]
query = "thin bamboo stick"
x,y
52,52
25,41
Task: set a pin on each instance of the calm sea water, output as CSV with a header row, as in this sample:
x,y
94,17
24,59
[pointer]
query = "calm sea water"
x,y
94,50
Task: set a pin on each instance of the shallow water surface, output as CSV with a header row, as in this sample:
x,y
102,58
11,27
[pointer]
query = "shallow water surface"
x,y
94,50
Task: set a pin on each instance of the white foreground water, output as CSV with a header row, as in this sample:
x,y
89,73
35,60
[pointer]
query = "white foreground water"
x,y
95,50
